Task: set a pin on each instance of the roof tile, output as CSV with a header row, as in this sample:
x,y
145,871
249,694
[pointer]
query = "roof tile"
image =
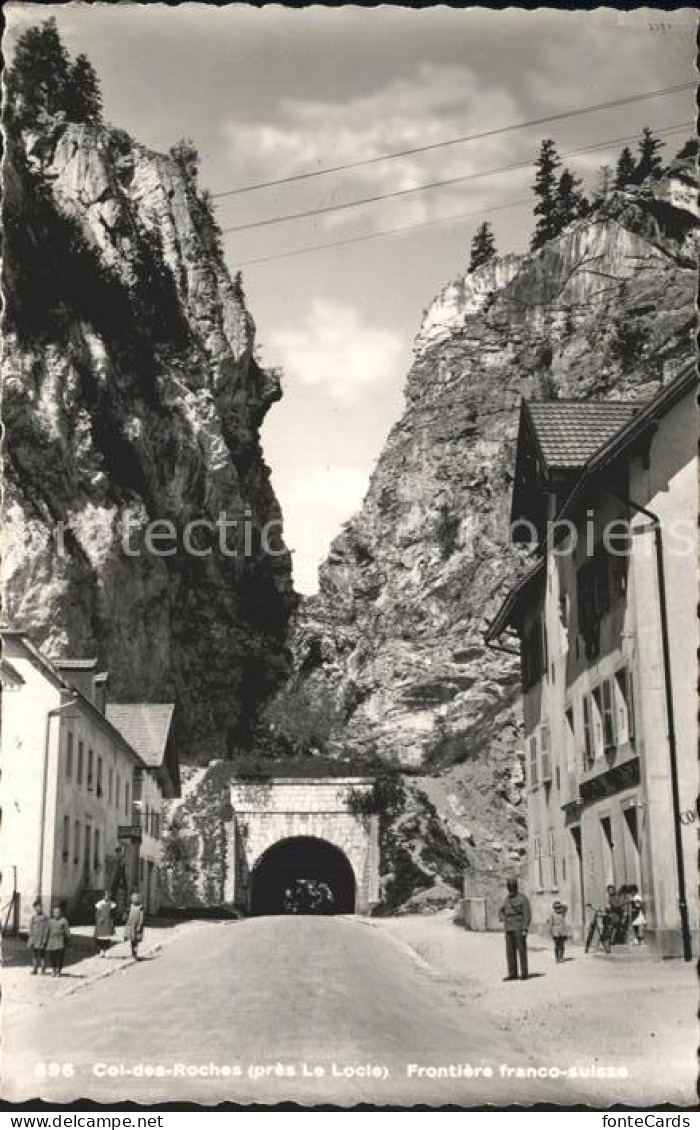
x,y
570,432
144,725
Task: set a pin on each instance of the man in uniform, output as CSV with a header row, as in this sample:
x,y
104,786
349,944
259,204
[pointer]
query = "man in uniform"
x,y
515,915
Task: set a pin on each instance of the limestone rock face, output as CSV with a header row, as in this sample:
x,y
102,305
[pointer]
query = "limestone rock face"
x,y
132,396
606,310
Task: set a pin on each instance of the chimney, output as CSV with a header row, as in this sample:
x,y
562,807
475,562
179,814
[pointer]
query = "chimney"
x,y
79,673
99,690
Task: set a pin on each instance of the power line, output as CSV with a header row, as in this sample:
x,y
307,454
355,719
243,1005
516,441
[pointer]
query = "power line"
x,y
434,184
383,234
459,140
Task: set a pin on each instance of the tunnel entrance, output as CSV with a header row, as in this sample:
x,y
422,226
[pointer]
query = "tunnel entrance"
x,y
302,875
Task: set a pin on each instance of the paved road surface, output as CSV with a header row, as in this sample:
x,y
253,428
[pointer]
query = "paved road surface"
x,y
269,994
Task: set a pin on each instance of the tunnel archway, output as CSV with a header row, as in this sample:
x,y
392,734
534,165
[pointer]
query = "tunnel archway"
x,y
302,874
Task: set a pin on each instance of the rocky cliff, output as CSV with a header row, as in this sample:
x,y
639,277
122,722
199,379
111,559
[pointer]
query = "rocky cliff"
x,y
605,310
132,403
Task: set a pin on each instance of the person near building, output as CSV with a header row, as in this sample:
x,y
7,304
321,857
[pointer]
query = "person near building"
x,y
38,936
559,929
515,914
638,918
104,923
57,940
618,918
133,931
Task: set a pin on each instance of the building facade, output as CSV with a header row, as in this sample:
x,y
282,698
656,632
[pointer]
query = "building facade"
x,y
606,624
149,729
70,780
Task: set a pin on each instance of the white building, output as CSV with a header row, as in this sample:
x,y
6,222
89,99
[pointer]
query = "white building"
x,y
69,780
609,663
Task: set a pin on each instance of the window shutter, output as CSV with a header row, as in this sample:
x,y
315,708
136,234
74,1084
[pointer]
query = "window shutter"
x,y
546,758
588,730
533,762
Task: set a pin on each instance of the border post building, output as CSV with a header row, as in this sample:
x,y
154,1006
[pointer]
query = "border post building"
x,y
606,622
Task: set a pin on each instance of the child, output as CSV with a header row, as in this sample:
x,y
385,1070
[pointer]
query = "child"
x,y
58,935
559,929
38,937
638,918
133,930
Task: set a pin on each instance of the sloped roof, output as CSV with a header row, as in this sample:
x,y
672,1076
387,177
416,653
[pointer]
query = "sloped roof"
x,y
10,675
145,726
569,432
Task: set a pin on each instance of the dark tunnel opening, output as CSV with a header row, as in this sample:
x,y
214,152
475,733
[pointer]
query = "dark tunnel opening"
x,y
302,875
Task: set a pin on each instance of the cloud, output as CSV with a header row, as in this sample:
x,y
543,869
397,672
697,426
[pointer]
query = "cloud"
x,y
434,104
336,352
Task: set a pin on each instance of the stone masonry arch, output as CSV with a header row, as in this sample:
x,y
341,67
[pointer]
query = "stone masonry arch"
x,y
268,811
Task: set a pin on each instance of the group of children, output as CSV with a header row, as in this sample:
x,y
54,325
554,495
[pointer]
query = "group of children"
x,y
560,930
48,936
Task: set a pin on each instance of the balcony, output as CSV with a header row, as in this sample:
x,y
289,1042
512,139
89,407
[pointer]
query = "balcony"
x,y
617,768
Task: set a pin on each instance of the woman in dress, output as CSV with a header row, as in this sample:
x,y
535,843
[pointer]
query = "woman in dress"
x,y
104,923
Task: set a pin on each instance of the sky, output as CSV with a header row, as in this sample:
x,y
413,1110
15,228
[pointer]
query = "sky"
x,y
273,92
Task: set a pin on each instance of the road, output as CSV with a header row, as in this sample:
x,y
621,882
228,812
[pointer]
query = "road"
x,y
298,1009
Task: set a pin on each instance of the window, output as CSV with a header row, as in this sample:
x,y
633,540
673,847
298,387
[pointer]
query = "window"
x,y
126,798
96,849
593,598
117,798
532,752
69,754
546,758
552,852
141,870
534,654
76,843
537,861
66,839
81,754
91,758
624,699
99,776
604,699
110,784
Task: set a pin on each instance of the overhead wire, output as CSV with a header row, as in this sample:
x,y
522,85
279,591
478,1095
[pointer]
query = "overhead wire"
x,y
464,138
329,208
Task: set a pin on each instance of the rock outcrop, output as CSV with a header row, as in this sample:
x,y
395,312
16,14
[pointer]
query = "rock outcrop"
x,y
606,310
133,403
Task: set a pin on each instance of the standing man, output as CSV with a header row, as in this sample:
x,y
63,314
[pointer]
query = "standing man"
x,y
515,915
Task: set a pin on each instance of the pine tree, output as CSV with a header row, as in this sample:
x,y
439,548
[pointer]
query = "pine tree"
x,y
184,152
483,247
624,171
604,182
83,95
545,187
570,203
38,79
649,163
